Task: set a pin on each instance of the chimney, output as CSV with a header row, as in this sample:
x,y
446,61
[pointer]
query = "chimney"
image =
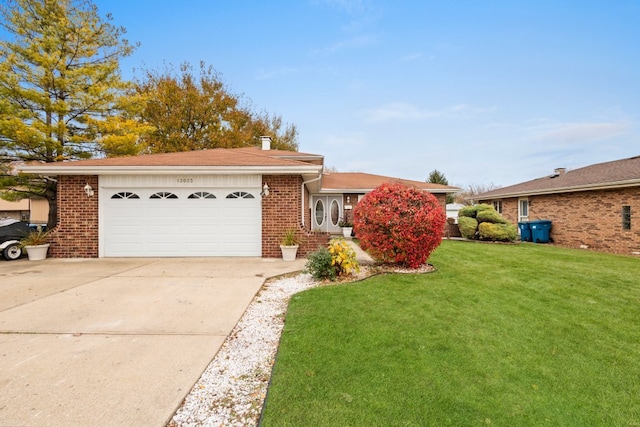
x,y
266,142
560,171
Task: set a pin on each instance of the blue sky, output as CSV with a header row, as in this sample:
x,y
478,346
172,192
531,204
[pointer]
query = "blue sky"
x,y
487,92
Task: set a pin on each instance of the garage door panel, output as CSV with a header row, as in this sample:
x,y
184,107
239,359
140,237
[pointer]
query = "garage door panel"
x,y
182,226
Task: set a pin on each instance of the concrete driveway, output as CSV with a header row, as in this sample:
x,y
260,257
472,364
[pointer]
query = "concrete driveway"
x,y
106,342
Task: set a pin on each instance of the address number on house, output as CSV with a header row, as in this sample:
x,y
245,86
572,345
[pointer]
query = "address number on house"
x,y
185,180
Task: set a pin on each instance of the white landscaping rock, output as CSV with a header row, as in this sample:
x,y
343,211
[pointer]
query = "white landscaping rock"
x,y
232,389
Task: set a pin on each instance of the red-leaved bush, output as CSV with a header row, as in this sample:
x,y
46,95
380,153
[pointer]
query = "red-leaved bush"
x,y
399,224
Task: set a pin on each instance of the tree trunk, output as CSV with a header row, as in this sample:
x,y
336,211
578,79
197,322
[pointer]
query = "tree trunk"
x,y
52,197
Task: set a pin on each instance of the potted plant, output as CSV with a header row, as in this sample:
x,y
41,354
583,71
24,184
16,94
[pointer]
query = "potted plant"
x,y
37,244
289,245
347,226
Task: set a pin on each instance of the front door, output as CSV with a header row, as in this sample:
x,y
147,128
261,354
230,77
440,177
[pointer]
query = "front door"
x,y
327,212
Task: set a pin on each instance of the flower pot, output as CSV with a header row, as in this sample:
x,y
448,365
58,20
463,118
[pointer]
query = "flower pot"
x,y
38,252
346,231
289,252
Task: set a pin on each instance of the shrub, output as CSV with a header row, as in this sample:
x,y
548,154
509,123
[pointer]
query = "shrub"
x,y
343,257
490,215
399,224
467,226
333,261
484,222
319,265
497,232
467,212
472,211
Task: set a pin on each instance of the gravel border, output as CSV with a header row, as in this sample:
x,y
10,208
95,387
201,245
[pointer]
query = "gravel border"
x,y
232,389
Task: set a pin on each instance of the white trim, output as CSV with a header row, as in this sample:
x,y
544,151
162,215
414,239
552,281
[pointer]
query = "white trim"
x,y
575,188
368,190
171,170
522,218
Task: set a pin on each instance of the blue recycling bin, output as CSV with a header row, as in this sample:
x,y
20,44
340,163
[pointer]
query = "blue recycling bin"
x,y
540,231
525,231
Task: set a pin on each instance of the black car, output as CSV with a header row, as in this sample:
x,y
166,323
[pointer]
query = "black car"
x,y
11,231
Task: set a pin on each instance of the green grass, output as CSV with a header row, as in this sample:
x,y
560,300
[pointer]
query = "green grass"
x,y
503,335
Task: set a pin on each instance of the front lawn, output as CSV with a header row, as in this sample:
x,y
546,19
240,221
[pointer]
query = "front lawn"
x,y
500,335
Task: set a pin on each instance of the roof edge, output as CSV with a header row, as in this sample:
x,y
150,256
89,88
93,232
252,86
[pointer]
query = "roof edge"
x,y
171,170
367,190
575,188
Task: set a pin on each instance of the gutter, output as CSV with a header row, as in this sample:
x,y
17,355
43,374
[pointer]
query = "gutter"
x,y
576,188
367,190
170,170
302,207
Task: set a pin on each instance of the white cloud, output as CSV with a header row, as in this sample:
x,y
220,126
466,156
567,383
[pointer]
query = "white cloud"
x,y
263,74
573,132
411,57
407,111
345,140
352,43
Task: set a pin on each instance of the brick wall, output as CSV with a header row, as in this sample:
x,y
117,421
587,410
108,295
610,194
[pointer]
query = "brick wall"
x,y
587,218
281,212
76,235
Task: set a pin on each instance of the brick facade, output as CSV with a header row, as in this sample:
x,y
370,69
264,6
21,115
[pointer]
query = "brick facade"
x,y
76,235
281,212
591,219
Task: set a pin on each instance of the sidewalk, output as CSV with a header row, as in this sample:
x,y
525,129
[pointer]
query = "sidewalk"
x,y
362,256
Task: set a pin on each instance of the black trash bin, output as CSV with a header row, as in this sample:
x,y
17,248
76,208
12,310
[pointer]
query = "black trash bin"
x,y
540,230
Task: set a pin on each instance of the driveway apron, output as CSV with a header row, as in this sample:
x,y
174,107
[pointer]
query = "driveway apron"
x,y
106,342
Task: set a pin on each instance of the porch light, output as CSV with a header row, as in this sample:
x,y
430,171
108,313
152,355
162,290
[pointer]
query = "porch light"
x,y
89,190
265,190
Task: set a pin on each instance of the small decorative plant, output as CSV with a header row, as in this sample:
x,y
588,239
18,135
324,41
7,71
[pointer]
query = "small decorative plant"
x,y
290,238
35,238
345,223
336,260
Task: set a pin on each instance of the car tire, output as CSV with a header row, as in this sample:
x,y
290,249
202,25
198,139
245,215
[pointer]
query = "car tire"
x,y
12,252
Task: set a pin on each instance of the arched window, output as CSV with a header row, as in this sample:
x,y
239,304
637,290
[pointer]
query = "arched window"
x,y
201,195
240,195
163,195
125,195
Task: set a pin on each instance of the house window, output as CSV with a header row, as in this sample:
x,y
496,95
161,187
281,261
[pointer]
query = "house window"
x,y
201,195
125,195
163,195
523,210
319,211
335,212
497,205
240,195
626,217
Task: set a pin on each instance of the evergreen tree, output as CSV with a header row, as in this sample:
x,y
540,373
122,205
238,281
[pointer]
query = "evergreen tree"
x,y
437,177
60,91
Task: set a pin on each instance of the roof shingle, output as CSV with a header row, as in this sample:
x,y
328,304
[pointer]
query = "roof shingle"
x,y
367,182
618,173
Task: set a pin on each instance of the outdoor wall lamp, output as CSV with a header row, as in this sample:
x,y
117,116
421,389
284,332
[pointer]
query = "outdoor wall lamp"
x,y
265,190
89,190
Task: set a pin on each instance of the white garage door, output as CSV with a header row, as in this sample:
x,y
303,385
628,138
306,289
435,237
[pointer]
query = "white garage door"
x,y
178,222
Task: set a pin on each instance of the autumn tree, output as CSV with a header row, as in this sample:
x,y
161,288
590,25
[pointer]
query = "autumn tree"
x,y
193,109
60,90
467,196
437,177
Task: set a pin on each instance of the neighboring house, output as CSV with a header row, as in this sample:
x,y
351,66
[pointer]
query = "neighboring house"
x,y
593,207
33,211
219,202
453,209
